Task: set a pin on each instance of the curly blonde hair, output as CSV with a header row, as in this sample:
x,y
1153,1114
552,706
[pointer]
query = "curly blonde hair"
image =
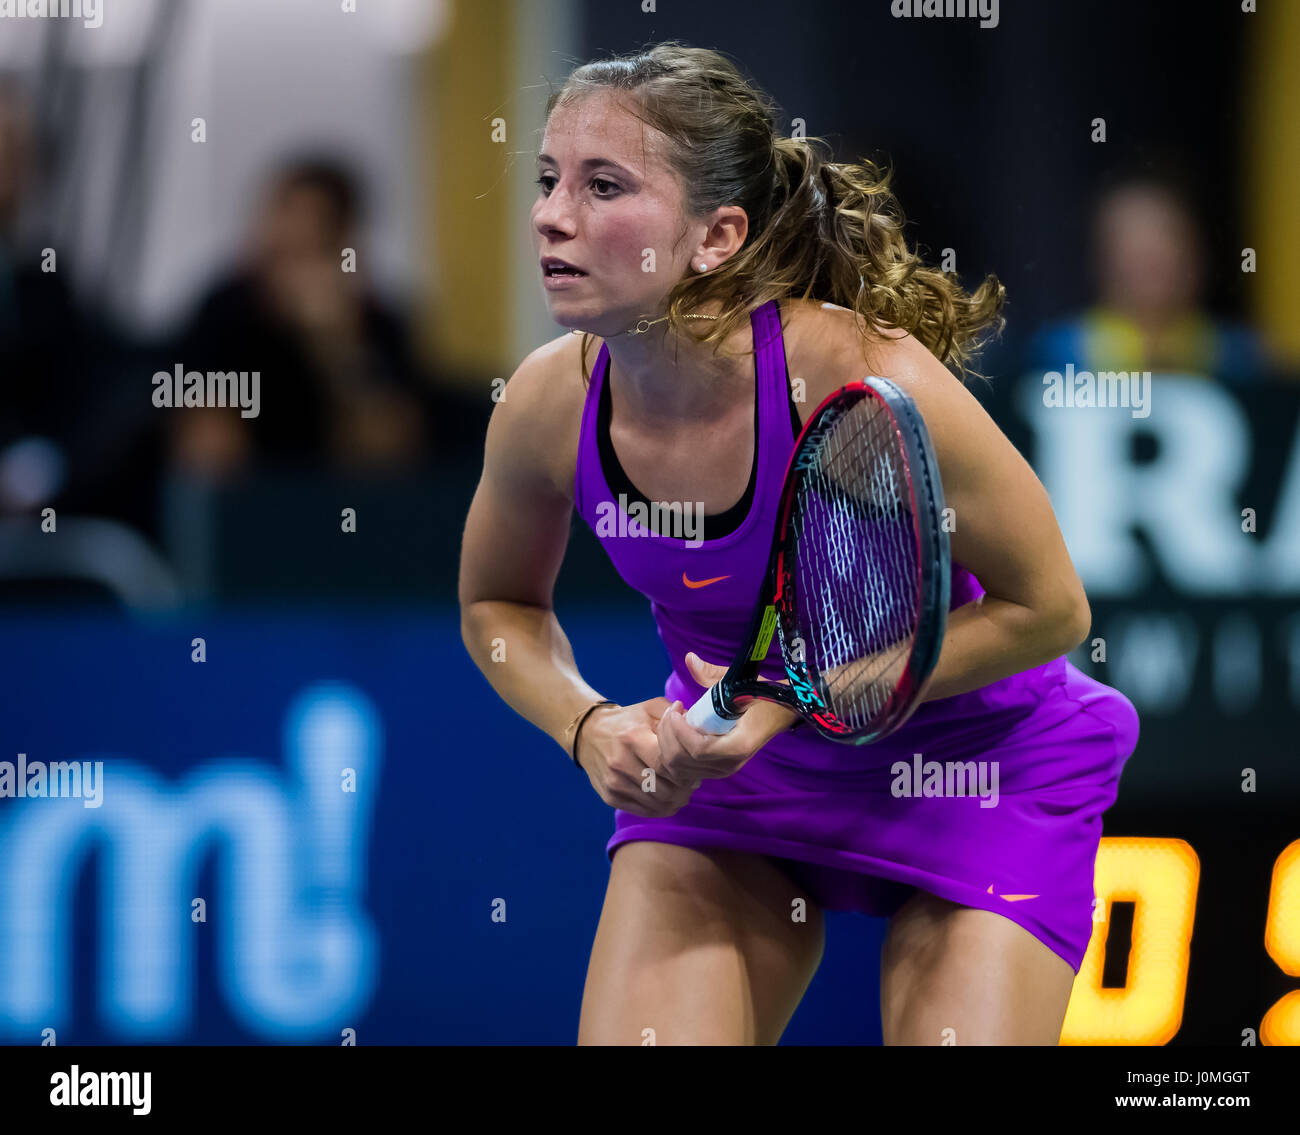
x,y
817,228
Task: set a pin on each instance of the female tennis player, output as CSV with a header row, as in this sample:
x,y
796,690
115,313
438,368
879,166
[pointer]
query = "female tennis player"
x,y
732,279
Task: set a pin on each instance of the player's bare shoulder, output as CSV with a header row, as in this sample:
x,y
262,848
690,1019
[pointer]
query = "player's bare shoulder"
x,y
540,411
819,333
825,347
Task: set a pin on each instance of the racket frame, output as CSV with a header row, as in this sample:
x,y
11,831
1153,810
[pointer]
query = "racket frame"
x,y
775,605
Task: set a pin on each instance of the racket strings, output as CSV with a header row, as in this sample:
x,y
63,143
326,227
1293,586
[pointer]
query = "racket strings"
x,y
856,576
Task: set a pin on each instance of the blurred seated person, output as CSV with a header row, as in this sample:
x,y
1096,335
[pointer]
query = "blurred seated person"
x,y
340,388
75,434
39,353
1150,267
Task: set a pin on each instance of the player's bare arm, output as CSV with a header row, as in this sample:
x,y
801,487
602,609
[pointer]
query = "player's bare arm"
x,y
1003,528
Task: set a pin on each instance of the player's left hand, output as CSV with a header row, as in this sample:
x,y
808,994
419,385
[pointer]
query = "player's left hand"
x,y
688,754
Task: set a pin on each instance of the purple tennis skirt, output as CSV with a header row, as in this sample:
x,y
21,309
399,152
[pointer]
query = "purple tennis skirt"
x,y
863,828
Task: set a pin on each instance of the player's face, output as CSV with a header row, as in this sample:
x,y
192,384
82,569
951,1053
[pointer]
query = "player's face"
x,y
609,204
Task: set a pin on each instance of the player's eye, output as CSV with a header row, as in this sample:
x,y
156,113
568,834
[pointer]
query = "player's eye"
x,y
546,182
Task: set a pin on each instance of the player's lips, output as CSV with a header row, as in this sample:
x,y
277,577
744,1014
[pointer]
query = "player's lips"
x,y
559,283
557,273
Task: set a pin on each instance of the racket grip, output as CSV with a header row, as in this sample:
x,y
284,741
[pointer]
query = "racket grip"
x,y
702,716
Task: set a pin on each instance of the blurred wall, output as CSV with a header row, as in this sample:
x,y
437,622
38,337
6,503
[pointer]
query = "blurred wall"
x,y
269,80
484,88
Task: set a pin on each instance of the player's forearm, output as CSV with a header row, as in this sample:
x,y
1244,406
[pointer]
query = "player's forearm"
x,y
992,639
525,656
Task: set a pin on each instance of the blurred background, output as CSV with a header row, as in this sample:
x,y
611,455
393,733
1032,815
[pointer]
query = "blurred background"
x,y
220,608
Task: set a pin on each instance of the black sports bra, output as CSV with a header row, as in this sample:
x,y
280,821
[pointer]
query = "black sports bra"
x,y
716,525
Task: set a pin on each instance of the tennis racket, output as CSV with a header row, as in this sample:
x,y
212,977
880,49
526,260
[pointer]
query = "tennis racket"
x,y
858,581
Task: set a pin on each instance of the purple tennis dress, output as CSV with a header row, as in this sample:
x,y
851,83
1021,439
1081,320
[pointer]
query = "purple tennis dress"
x,y
862,828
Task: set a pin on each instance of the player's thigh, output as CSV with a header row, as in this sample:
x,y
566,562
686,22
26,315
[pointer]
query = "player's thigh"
x,y
700,945
946,966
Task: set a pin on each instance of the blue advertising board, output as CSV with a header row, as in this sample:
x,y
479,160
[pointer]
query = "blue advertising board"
x,y
311,828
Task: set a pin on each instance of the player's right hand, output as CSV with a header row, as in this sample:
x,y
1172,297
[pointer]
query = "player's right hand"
x,y
616,746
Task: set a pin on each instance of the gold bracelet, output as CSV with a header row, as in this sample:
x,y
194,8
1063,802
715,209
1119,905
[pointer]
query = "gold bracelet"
x,y
572,730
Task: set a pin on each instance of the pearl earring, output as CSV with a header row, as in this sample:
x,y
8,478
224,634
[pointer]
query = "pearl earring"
x,y
704,267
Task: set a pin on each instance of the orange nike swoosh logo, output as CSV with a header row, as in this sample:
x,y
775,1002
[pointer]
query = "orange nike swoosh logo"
x,y
702,582
1012,898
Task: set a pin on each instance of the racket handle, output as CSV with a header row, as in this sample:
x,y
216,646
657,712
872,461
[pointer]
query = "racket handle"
x,y
702,716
